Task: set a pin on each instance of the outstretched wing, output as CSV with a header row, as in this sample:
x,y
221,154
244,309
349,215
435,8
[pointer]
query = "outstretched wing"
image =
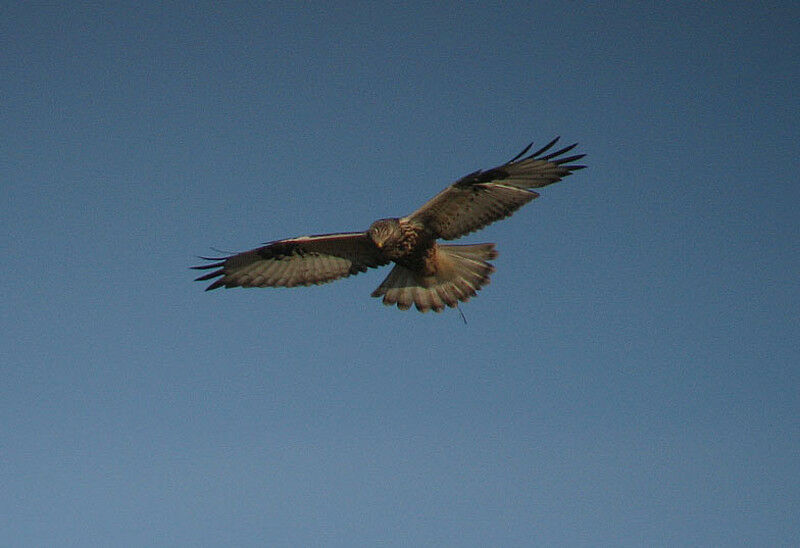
x,y
297,261
483,197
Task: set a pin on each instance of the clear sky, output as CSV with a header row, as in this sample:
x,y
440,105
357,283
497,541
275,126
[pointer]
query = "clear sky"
x,y
630,376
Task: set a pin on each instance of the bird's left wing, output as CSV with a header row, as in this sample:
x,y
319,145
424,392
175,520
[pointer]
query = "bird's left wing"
x,y
483,197
296,261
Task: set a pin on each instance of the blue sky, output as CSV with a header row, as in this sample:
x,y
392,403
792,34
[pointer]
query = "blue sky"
x,y
630,376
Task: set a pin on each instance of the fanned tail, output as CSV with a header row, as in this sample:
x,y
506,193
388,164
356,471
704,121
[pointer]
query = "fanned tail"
x,y
461,271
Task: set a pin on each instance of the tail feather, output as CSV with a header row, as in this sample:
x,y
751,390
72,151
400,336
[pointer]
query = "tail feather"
x,y
461,271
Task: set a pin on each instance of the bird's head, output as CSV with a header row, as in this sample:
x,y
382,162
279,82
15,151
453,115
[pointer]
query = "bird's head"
x,y
383,231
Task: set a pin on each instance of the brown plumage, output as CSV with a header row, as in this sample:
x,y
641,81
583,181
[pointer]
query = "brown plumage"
x,y
426,274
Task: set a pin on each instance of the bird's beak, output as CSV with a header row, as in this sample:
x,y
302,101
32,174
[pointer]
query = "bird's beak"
x,y
379,245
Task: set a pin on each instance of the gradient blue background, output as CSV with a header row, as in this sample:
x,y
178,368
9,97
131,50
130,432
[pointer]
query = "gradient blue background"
x,y
630,376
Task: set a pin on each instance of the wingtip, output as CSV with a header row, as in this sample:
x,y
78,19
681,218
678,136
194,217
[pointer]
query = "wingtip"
x,y
562,161
218,262
521,154
206,277
217,284
559,152
546,147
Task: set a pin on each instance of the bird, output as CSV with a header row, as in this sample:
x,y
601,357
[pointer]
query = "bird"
x,y
426,273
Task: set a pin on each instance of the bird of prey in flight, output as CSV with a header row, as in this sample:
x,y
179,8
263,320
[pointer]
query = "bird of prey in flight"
x,y
426,273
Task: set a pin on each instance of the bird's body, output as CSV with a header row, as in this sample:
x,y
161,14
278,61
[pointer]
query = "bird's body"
x,y
427,274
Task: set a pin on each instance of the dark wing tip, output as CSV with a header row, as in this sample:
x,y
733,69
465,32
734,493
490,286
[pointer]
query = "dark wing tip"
x,y
215,285
521,154
568,159
219,263
210,275
559,152
545,148
206,266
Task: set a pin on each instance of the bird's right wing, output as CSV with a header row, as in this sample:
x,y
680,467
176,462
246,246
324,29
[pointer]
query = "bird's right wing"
x,y
483,197
306,260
